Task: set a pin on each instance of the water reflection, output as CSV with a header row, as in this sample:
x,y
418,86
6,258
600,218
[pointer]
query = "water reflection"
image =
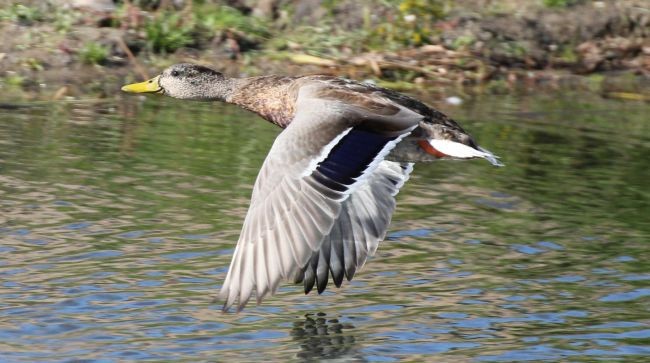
x,y
118,220
323,338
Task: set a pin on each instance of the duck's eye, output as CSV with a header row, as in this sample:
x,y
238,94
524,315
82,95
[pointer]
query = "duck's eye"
x,y
175,74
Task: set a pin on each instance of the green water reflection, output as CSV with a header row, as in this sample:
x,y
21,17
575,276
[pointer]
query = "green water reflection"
x,y
118,218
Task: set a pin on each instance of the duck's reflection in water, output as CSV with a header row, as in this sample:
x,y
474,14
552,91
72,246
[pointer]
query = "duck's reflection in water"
x,y
322,338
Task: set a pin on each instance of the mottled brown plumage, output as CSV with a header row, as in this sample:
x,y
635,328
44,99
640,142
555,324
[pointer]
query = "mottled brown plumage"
x,y
271,97
274,99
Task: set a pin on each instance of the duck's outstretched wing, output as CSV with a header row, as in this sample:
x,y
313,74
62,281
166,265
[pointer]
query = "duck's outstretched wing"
x,y
361,225
332,151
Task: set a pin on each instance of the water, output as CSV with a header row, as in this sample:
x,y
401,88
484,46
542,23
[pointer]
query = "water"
x,y
118,219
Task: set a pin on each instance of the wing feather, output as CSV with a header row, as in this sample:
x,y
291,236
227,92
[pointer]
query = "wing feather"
x,y
294,227
374,201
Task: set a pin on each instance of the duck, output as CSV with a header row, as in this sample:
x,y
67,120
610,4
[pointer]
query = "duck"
x,y
325,194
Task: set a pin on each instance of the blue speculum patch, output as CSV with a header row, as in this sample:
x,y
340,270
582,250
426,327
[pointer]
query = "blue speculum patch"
x,y
350,157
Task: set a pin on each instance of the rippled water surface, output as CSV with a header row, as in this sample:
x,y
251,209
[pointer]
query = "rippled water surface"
x,y
118,219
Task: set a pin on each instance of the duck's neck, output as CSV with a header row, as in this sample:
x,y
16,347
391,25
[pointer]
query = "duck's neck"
x,y
271,97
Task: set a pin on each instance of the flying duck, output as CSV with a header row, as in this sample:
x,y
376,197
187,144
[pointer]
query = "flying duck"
x,y
325,194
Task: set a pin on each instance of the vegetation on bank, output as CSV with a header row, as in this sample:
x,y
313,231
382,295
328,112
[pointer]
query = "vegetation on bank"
x,y
400,41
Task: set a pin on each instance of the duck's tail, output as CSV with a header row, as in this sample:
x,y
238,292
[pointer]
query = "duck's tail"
x,y
447,148
449,140
431,141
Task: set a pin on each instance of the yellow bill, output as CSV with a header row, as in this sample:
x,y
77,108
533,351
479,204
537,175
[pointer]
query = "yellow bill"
x,y
150,86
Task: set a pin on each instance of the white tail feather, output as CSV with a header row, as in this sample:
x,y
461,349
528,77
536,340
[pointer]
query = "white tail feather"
x,y
458,150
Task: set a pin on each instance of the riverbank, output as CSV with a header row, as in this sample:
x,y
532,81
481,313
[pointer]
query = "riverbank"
x,y
54,50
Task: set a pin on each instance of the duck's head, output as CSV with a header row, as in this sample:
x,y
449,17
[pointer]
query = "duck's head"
x,y
185,81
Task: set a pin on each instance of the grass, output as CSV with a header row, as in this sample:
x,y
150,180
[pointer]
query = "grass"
x,y
168,32
560,3
408,23
93,53
463,42
22,14
336,33
222,18
14,80
64,20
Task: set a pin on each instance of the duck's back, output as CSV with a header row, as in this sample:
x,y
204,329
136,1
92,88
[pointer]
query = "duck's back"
x,y
374,98
275,98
